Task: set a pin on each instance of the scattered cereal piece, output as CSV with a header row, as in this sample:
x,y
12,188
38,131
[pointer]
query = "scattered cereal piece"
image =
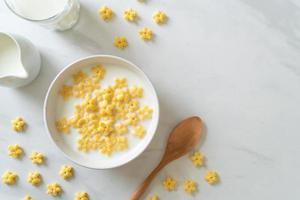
x,y
145,112
197,159
153,197
190,186
120,42
15,151
121,128
120,83
34,178
121,143
145,33
66,92
139,132
169,183
132,119
27,197
54,189
136,92
18,124
66,172
9,178
37,158
130,15
159,17
133,105
106,13
211,177
81,196
98,71
62,125
79,77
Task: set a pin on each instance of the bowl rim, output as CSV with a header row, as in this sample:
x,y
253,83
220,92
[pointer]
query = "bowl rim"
x,y
45,110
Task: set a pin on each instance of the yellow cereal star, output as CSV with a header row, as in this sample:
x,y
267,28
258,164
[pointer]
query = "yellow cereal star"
x,y
211,177
197,159
145,33
130,15
54,189
98,71
81,196
139,132
34,178
9,178
132,119
27,197
62,125
159,17
190,186
120,83
136,92
120,42
79,77
153,197
37,158
66,172
121,143
133,105
15,151
169,183
66,92
18,124
145,112
106,13
121,129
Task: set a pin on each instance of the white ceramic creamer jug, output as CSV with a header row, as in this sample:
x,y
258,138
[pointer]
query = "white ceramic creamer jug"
x,y
19,60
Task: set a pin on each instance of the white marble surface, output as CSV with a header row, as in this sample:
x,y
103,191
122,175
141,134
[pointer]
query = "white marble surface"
x,y
235,63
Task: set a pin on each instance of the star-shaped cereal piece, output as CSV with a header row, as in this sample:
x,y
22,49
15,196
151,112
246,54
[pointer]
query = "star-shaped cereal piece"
x,y
63,125
66,172
66,92
81,196
106,13
37,158
54,189
120,42
190,186
153,197
197,159
145,34
211,177
9,178
130,15
18,124
34,178
15,151
27,197
169,183
159,17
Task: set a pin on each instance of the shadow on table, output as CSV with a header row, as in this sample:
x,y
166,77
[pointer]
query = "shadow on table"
x,y
36,91
88,34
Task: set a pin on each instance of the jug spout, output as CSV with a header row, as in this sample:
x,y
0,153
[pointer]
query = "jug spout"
x,y
11,81
19,60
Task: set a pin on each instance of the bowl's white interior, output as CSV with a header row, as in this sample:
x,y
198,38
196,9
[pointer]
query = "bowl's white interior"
x,y
54,108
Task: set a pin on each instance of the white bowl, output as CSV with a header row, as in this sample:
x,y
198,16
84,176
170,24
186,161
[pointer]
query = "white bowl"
x,y
115,66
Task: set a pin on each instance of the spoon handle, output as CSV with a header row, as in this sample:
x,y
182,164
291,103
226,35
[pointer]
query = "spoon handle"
x,y
143,186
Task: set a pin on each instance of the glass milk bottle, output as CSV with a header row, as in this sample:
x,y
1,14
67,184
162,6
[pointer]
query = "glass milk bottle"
x,y
54,14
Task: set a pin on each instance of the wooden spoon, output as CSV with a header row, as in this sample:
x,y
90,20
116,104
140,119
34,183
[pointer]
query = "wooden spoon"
x,y
182,139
